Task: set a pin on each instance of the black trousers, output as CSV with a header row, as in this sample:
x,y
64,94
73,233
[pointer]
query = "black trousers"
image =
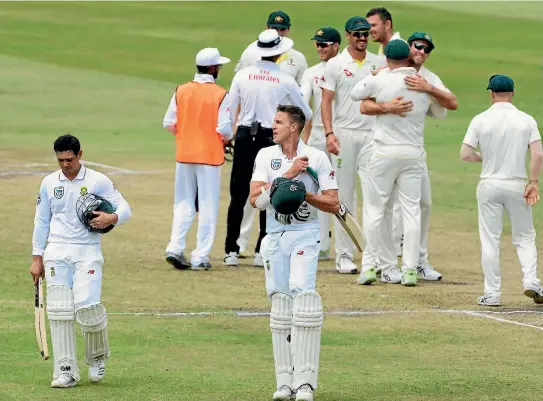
x,y
246,148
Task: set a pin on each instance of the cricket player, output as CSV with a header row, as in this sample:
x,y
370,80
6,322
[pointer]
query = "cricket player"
x,y
67,252
290,249
257,90
327,41
198,116
382,30
503,134
395,165
348,133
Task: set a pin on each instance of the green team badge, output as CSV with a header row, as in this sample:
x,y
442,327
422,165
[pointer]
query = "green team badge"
x,y
339,161
84,190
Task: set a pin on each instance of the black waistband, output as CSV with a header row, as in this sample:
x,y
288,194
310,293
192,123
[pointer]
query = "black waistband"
x,y
245,131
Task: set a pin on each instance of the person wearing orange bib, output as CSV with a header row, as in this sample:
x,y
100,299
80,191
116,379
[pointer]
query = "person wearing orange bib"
x,y
198,116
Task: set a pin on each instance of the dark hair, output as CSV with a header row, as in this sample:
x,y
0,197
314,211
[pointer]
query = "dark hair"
x,y
296,114
271,58
383,14
67,142
203,69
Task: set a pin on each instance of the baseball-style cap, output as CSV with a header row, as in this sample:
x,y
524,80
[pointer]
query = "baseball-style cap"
x,y
501,83
357,23
210,56
397,49
421,36
327,35
279,19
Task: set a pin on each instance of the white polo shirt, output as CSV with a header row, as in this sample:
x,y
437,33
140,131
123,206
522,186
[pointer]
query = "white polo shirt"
x,y
341,74
503,134
56,219
311,89
292,62
271,163
381,51
259,89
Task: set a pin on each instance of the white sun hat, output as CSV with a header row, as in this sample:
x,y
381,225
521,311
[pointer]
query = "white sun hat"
x,y
210,56
270,44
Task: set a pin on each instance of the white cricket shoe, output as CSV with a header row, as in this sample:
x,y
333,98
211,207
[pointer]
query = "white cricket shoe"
x,y
97,371
345,264
231,259
242,243
535,292
257,261
392,275
489,300
64,380
283,393
304,393
427,272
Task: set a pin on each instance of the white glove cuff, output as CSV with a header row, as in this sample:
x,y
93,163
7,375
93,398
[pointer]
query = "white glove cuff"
x,y
263,201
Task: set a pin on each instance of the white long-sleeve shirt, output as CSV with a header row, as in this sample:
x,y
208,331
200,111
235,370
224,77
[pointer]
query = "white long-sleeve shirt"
x,y
224,125
56,219
311,90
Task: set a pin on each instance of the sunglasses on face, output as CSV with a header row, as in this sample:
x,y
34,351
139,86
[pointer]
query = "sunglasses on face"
x,y
359,34
420,46
323,45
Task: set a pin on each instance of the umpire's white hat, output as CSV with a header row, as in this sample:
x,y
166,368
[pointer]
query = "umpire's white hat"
x,y
270,44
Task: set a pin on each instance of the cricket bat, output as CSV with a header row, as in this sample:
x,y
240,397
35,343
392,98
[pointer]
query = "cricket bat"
x,y
345,217
39,321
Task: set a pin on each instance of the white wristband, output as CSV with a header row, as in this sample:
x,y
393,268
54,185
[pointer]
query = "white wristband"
x,y
263,201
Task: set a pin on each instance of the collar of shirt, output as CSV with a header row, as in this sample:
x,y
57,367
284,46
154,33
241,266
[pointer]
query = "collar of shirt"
x,y
405,70
269,65
80,175
350,58
203,78
503,106
299,149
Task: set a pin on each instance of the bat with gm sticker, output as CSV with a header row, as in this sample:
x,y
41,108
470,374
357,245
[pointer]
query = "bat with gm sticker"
x,y
344,216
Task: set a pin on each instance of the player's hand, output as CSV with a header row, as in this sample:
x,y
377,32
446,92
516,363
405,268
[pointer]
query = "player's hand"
x,y
37,269
299,166
375,72
333,145
531,194
418,83
398,106
103,220
303,212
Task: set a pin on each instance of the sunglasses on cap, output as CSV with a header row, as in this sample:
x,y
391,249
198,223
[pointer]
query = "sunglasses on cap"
x,y
359,34
323,45
420,46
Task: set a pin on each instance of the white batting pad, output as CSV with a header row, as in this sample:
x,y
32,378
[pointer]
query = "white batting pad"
x,y
60,311
281,323
307,318
93,321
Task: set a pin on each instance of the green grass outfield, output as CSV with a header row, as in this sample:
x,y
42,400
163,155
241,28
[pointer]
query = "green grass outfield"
x,y
106,71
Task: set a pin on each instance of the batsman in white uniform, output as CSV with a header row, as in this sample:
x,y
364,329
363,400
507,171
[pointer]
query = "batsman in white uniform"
x,y
395,165
503,134
290,249
348,133
327,41
68,254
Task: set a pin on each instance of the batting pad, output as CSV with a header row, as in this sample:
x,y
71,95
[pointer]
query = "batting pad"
x,y
307,318
281,323
60,311
93,321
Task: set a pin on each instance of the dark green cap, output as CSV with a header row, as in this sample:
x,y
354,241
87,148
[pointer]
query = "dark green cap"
x,y
357,23
501,83
421,36
279,19
288,196
397,49
327,34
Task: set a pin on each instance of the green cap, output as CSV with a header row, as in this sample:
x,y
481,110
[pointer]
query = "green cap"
x,y
328,35
288,195
421,36
279,19
501,83
357,23
397,49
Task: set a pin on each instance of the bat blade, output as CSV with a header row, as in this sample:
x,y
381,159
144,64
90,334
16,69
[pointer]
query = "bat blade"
x,y
39,320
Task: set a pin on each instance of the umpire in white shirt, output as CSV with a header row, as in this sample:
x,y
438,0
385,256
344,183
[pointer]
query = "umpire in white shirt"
x,y
258,90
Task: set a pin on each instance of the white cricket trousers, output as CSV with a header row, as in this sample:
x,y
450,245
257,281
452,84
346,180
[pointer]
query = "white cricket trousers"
x,y
390,169
249,213
353,143
190,178
493,197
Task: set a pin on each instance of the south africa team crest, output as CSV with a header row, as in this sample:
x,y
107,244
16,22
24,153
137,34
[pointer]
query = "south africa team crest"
x,y
276,164
59,192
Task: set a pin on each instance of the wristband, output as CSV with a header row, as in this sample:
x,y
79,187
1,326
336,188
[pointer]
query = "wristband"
x,y
329,133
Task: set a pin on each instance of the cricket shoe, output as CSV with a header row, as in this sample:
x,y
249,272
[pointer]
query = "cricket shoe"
x,y
64,380
535,292
201,266
177,261
367,276
283,393
324,255
304,393
257,261
427,272
392,275
97,370
409,277
231,259
345,265
489,300
243,253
